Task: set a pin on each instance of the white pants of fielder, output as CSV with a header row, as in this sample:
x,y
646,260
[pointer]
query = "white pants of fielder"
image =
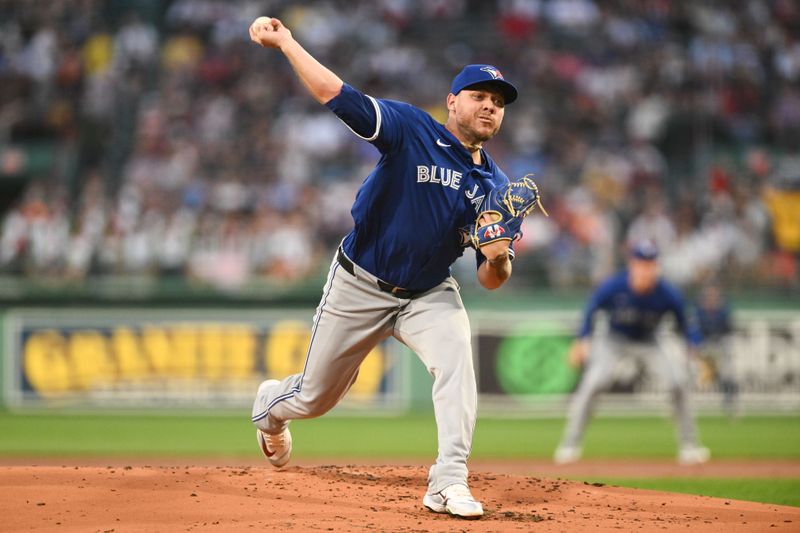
x,y
606,350
353,316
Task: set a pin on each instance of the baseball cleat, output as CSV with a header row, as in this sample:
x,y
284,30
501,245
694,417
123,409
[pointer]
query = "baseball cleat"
x,y
456,500
565,455
693,455
276,448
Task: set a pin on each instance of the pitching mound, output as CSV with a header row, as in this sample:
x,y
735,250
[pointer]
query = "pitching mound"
x,y
337,498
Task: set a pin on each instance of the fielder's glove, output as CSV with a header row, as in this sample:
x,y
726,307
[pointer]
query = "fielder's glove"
x,y
506,206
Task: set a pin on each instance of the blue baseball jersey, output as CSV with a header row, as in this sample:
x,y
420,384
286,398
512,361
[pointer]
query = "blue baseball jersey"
x,y
713,322
636,316
425,187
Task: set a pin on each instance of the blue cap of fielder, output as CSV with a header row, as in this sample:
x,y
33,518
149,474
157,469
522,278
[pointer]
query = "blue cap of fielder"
x,y
645,250
474,74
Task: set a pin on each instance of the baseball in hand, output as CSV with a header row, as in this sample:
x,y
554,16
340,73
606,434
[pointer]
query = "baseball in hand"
x,y
263,21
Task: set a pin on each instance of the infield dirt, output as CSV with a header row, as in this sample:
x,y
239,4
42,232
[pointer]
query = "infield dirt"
x,y
135,497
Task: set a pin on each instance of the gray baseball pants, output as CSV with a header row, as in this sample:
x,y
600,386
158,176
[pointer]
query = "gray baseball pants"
x,y
353,316
720,352
605,351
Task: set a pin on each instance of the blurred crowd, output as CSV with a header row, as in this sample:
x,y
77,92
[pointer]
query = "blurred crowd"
x,y
176,147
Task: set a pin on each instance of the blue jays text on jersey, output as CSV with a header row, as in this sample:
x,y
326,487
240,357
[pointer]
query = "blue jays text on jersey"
x,y
447,177
425,186
636,316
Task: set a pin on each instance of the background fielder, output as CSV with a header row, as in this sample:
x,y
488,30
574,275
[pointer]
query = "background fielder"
x,y
713,317
390,276
636,300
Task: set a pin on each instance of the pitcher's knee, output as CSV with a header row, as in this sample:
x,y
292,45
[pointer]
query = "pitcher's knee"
x,y
315,405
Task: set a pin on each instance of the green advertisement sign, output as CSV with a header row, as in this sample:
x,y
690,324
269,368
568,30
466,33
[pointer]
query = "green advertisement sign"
x,y
533,361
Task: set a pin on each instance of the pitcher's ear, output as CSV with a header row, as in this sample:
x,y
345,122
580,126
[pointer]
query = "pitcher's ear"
x,y
451,102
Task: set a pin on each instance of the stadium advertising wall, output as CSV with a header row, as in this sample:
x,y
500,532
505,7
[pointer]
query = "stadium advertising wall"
x,y
213,359
146,358
521,364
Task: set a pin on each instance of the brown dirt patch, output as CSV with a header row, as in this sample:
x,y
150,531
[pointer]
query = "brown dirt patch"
x,y
585,469
345,498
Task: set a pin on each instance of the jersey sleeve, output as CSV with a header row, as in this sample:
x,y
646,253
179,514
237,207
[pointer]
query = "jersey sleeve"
x,y
727,322
599,298
380,122
689,328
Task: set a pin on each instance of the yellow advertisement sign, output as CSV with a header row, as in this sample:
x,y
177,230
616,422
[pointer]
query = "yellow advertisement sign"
x,y
166,358
784,208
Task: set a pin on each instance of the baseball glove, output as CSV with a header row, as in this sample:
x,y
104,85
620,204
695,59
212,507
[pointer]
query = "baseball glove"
x,y
506,206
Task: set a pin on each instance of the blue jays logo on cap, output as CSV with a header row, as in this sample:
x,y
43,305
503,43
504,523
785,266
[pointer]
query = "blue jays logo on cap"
x,y
646,250
474,74
493,72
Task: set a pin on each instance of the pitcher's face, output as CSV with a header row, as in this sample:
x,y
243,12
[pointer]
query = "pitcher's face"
x,y
478,112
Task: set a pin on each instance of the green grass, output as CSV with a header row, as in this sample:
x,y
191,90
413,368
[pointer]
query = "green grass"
x,y
779,491
412,436
652,437
61,435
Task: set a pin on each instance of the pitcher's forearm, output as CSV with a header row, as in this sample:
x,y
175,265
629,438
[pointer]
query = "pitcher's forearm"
x,y
318,79
492,274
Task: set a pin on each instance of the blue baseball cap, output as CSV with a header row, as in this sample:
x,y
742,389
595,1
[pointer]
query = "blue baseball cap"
x,y
646,250
473,74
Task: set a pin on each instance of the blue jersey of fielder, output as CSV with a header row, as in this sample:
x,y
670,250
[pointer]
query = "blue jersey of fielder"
x,y
425,187
713,323
636,316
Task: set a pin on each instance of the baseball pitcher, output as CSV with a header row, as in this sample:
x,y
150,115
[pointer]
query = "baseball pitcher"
x,y
434,192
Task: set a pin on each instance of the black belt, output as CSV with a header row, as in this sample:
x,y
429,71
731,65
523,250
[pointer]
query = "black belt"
x,y
382,285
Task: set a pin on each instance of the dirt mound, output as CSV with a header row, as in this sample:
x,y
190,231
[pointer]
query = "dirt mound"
x,y
345,498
